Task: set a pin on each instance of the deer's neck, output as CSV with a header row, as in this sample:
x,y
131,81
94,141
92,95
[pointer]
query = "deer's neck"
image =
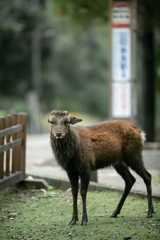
x,y
64,149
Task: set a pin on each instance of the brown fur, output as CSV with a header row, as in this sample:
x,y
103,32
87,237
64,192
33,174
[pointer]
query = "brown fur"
x,y
108,143
80,150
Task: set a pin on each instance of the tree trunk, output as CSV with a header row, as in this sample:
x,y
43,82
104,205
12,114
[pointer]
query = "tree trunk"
x,y
148,91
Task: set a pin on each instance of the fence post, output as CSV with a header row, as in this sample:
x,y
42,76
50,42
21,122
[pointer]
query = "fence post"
x,y
8,124
14,150
22,119
2,126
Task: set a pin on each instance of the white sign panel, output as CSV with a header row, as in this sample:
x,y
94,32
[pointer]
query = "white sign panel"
x,y
121,54
121,100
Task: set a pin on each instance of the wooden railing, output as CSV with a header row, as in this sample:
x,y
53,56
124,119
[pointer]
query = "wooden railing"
x,y
12,149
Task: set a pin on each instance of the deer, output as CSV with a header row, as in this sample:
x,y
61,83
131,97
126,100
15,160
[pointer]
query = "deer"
x,y
79,150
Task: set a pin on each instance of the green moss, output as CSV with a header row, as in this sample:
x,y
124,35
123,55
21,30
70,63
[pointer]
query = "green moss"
x,y
44,214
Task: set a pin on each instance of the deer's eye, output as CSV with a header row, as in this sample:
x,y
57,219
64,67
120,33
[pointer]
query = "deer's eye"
x,y
66,122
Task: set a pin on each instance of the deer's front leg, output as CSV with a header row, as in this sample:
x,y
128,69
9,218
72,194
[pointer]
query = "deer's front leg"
x,y
73,177
84,187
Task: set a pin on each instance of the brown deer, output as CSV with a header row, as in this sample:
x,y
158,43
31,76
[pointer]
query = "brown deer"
x,y
80,150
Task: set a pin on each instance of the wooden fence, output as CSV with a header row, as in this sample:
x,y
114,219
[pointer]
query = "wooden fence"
x,y
12,149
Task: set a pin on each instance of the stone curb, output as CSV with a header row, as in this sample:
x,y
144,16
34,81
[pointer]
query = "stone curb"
x,y
38,183
64,184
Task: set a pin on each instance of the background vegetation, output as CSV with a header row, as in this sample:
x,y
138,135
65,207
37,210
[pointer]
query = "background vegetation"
x,y
73,39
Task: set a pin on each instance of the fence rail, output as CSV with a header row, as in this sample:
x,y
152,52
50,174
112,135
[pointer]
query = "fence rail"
x,y
12,149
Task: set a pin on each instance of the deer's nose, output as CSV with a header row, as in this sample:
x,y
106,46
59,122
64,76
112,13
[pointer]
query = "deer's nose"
x,y
58,134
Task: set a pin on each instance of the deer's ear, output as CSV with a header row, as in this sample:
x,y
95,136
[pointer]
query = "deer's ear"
x,y
75,120
50,120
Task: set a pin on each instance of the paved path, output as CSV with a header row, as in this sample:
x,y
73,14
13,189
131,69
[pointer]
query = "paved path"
x,y
40,161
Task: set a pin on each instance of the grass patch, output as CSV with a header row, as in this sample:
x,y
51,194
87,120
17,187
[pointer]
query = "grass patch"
x,y
40,214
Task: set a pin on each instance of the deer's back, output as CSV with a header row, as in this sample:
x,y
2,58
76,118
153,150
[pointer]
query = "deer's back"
x,y
105,144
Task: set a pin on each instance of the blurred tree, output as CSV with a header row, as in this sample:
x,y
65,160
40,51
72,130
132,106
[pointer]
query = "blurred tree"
x,y
82,12
75,77
18,19
149,22
74,67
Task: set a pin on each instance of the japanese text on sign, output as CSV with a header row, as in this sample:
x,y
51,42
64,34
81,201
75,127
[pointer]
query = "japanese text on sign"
x,y
120,15
121,56
121,100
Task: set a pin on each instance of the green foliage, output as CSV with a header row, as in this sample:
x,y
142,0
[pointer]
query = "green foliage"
x,y
44,214
76,75
82,12
18,20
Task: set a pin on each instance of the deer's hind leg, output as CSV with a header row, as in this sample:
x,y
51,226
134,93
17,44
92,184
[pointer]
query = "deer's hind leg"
x,y
129,181
146,176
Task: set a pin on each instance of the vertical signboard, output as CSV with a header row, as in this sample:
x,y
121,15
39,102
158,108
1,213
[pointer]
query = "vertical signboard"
x,y
121,59
121,54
